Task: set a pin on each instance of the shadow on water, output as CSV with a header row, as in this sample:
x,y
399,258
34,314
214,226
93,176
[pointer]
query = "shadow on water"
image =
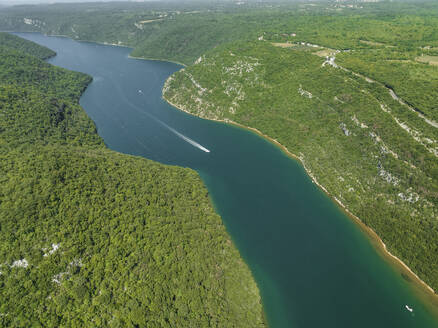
x,y
314,266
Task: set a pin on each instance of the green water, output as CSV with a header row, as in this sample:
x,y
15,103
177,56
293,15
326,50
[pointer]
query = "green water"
x,y
313,265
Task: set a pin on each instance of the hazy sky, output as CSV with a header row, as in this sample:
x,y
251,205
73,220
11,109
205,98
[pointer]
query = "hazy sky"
x,y
17,2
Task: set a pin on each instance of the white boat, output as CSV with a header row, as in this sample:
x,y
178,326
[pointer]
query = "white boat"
x,y
409,308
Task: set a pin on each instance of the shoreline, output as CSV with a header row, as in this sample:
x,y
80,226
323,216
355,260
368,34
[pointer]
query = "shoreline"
x,y
104,44
113,45
375,239
157,59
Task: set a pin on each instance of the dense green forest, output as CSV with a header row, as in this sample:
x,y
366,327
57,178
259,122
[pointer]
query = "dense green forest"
x,y
90,237
14,42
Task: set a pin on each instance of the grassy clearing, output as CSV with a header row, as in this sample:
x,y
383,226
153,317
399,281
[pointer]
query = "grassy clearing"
x,y
284,44
325,52
431,60
373,43
150,21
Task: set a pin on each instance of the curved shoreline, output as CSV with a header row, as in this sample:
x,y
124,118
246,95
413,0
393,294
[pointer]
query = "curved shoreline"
x,y
104,44
115,45
156,59
381,247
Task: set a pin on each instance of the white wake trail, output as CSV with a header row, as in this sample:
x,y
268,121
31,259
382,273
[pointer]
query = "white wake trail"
x,y
138,109
190,141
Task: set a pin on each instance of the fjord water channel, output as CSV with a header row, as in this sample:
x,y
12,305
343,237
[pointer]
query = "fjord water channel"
x,y
314,266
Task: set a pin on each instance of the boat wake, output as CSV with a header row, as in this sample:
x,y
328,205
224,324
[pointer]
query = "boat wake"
x,y
190,141
138,109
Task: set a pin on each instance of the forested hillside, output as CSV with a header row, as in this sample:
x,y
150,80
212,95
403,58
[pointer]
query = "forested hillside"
x,y
90,237
371,152
30,48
